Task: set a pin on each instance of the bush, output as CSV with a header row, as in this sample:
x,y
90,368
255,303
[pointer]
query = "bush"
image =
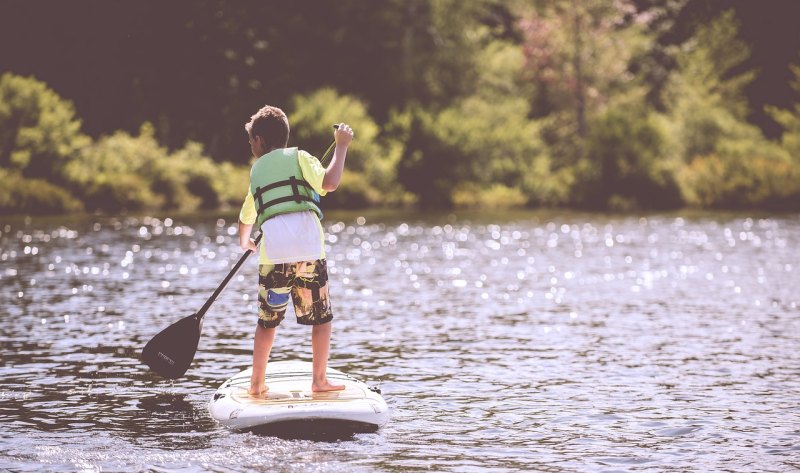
x,y
430,166
485,143
39,133
230,183
627,163
495,196
766,178
33,196
478,141
123,172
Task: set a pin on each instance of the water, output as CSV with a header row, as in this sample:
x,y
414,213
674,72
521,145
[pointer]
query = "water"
x,y
516,342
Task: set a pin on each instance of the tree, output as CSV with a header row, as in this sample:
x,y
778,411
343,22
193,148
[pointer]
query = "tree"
x,y
727,162
704,98
789,119
578,54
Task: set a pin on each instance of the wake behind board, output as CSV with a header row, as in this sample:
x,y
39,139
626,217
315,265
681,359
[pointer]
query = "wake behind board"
x,y
290,408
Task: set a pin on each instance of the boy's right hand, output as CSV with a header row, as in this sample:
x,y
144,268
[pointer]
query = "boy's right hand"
x,y
343,135
250,244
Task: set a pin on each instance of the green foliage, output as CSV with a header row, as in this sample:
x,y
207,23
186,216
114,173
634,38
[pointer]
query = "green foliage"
x,y
134,172
200,182
764,179
485,141
578,54
117,172
705,104
726,162
33,196
311,118
789,119
707,61
626,155
476,141
598,104
230,184
429,166
38,129
495,196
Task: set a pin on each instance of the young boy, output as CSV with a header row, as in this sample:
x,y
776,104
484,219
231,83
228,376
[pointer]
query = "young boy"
x,y
284,188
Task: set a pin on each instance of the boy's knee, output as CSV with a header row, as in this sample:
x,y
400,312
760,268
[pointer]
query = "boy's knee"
x,y
269,324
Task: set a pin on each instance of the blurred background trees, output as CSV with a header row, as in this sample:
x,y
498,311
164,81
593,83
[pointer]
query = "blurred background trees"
x,y
598,104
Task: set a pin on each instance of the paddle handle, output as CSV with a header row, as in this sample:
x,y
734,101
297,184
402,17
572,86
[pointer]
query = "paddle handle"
x,y
202,312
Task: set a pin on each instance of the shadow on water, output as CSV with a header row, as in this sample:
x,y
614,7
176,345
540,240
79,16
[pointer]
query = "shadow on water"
x,y
171,422
318,430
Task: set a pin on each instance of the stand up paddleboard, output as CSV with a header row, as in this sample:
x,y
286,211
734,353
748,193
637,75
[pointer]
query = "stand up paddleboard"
x,y
290,409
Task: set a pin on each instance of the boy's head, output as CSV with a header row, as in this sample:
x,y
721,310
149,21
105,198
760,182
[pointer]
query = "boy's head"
x,y
268,129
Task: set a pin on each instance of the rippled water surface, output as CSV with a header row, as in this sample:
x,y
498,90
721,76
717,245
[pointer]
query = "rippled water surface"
x,y
518,342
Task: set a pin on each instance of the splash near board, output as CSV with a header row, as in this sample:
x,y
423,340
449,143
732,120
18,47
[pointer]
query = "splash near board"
x,y
290,409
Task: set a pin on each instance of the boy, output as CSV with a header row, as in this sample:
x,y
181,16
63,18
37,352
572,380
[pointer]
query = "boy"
x,y
284,183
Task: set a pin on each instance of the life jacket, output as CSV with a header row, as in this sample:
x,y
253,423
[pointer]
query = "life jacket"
x,y
278,187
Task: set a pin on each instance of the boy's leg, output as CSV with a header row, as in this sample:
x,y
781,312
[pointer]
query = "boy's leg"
x,y
273,297
320,348
312,306
262,345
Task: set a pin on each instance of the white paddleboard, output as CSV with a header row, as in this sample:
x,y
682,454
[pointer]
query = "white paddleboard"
x,y
291,408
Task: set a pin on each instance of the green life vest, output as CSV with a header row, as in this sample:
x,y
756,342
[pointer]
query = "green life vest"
x,y
278,187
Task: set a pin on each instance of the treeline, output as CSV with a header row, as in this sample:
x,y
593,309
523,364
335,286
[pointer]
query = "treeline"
x,y
594,104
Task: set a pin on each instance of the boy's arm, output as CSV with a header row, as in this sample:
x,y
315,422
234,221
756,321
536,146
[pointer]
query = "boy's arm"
x,y
247,214
245,242
333,174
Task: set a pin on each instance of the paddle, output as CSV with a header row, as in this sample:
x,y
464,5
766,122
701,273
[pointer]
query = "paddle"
x,y
171,351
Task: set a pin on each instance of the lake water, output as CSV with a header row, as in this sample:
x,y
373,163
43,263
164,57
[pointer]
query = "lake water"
x,y
510,342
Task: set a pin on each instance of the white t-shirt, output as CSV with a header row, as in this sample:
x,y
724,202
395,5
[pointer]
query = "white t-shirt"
x,y
292,237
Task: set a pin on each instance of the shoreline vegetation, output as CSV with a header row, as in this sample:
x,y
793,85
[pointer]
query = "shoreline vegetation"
x,y
542,115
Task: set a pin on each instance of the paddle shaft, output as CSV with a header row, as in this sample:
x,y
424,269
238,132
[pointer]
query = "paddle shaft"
x,y
202,312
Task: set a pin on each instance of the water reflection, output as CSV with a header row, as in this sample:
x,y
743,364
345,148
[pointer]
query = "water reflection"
x,y
521,342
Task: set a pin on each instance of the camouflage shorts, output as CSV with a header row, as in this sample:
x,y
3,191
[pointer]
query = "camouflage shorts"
x,y
307,284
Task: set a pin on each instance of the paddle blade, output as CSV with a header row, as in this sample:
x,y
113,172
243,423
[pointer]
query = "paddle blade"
x,y
171,352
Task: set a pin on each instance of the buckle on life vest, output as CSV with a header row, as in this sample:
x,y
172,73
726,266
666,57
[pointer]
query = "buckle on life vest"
x,y
295,191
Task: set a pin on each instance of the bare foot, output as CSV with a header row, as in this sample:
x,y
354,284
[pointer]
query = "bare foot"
x,y
258,391
325,386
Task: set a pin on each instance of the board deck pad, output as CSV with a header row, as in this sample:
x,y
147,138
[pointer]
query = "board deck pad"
x,y
290,407
296,396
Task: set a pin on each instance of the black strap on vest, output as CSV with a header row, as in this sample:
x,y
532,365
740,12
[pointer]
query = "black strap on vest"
x,y
296,195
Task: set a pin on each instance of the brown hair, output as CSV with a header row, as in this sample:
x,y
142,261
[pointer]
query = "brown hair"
x,y
271,124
